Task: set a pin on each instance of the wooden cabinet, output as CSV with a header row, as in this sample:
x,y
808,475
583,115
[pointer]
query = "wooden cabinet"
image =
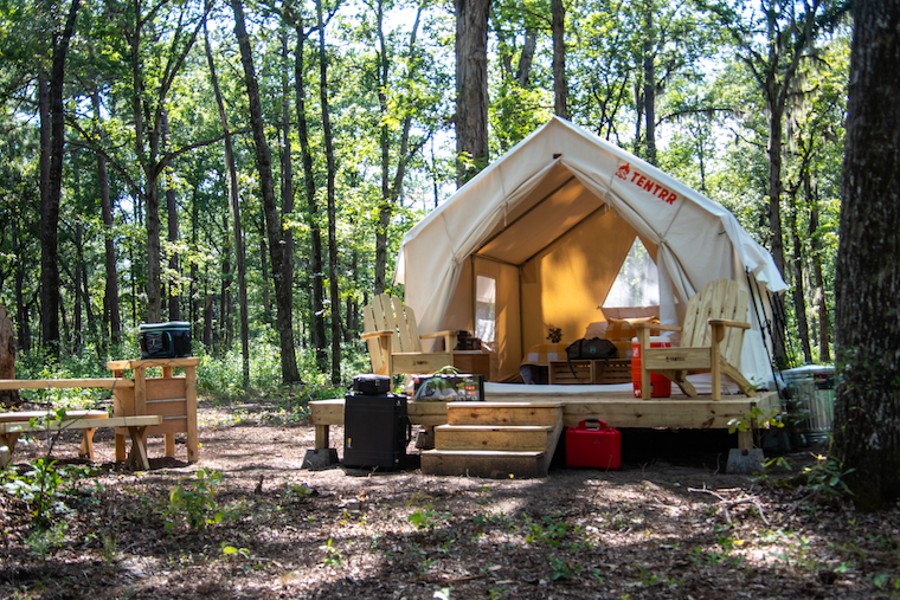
x,y
474,362
604,371
173,397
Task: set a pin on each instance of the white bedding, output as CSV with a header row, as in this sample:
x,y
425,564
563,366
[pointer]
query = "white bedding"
x,y
493,389
702,382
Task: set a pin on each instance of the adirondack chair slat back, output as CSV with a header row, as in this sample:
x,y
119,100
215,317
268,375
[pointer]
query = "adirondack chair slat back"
x,y
721,299
405,325
388,313
376,353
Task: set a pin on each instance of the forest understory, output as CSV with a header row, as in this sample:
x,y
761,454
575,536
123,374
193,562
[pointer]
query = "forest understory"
x,y
247,522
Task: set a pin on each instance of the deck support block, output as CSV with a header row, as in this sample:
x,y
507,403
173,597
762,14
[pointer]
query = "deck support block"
x,y
319,459
745,462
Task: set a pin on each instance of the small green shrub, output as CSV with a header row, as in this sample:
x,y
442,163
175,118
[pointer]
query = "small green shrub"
x,y
45,487
194,504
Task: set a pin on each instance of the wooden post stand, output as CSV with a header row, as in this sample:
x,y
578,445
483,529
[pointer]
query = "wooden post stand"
x,y
172,397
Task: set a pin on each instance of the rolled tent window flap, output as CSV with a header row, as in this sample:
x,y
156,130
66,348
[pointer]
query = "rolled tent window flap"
x,y
637,283
485,308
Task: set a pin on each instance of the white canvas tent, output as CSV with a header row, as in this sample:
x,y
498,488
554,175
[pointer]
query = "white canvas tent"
x,y
538,238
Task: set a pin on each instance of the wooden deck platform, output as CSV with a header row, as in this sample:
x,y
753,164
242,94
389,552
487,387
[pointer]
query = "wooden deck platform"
x,y
619,409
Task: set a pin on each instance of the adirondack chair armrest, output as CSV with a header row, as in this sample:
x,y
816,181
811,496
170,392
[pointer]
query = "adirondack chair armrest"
x,y
437,334
448,335
718,328
664,327
368,335
644,329
729,323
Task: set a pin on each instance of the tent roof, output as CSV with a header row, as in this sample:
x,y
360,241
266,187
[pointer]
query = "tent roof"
x,y
559,203
550,182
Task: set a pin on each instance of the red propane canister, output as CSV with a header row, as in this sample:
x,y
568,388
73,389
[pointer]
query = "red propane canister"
x,y
594,444
660,386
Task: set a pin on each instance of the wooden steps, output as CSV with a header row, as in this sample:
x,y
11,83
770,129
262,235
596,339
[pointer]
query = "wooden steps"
x,y
495,439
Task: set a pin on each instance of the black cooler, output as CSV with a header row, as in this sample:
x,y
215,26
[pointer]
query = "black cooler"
x,y
165,340
376,428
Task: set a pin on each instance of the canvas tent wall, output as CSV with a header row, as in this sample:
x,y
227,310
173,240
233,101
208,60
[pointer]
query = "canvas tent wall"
x,y
542,232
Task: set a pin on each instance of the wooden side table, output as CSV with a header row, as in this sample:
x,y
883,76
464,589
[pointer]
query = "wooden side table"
x,y
473,362
172,397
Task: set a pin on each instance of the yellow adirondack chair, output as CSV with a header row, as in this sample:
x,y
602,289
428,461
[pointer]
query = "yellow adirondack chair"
x,y
711,340
393,339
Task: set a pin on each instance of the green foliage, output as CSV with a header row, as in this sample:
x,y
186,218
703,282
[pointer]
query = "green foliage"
x,y
825,479
549,530
46,487
331,554
194,504
393,133
562,569
426,518
756,419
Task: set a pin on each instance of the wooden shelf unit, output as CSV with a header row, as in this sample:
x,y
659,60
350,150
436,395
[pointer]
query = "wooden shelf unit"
x,y
601,371
172,397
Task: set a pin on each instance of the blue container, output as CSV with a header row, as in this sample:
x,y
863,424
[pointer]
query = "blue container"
x,y
165,340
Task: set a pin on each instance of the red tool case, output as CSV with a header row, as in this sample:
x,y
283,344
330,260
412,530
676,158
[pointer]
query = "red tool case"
x,y
594,444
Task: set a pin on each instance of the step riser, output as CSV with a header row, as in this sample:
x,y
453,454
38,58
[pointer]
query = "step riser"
x,y
470,415
484,466
449,439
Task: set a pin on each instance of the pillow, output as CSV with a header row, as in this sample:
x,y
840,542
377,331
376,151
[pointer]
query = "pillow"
x,y
596,329
624,329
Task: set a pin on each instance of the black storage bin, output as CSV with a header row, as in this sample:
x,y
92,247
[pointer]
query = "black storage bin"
x,y
165,340
372,384
376,431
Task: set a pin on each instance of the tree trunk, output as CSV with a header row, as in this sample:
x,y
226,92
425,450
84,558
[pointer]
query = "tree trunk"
x,y
471,87
23,337
560,82
867,277
649,67
195,296
49,226
51,93
111,314
385,209
526,59
207,313
316,267
331,209
287,173
798,292
154,275
235,204
819,281
8,398
147,160
266,283
78,297
224,333
172,225
283,300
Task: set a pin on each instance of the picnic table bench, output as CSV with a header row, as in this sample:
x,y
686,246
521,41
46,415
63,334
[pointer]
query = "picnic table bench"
x,y
136,426
9,438
142,406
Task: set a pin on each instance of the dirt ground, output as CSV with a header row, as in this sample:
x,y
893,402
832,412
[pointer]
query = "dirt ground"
x,y
247,522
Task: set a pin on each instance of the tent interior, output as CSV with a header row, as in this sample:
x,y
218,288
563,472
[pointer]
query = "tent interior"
x,y
551,262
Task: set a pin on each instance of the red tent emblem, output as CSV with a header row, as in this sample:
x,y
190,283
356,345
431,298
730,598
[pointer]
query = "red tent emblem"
x,y
623,171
